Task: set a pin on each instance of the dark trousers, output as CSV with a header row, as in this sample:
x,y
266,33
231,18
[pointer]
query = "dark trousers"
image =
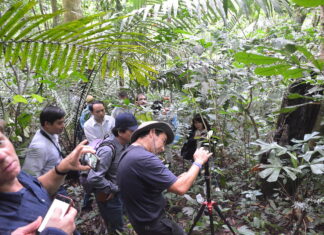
x,y
112,213
163,226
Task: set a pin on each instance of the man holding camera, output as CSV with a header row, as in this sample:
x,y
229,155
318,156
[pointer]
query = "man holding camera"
x,y
103,180
142,178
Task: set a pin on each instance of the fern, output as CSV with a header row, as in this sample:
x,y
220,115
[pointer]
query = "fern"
x,y
16,53
104,65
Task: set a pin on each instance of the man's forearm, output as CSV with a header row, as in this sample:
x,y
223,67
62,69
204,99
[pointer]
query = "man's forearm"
x,y
51,181
185,181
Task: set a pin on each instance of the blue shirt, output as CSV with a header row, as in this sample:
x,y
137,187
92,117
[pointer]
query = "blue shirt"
x,y
85,115
23,207
142,178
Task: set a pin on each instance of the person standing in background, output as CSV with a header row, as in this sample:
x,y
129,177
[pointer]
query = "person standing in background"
x,y
44,151
142,113
86,113
99,125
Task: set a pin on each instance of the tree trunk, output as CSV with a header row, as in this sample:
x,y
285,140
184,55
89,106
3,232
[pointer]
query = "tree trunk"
x,y
73,10
41,8
56,19
295,125
321,56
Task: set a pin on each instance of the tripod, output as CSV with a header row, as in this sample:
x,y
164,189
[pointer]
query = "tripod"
x,y
210,206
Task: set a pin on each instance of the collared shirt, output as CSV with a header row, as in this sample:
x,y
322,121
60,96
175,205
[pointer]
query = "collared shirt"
x,y
42,155
23,207
94,130
104,179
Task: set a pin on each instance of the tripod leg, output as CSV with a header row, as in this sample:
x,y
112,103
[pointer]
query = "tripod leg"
x,y
223,218
201,210
211,221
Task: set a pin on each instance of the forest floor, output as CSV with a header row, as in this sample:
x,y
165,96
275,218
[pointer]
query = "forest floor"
x,y
247,213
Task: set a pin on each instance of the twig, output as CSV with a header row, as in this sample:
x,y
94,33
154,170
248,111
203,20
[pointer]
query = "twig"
x,y
299,223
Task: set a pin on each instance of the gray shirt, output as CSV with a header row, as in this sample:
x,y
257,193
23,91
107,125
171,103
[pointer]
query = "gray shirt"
x,y
42,155
104,179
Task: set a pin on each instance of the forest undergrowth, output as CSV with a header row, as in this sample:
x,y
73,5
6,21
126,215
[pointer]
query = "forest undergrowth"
x,y
236,191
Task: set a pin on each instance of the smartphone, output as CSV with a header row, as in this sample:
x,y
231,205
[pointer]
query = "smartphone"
x,y
60,201
91,160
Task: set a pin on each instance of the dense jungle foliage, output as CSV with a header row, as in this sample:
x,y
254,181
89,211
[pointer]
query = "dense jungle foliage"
x,y
254,68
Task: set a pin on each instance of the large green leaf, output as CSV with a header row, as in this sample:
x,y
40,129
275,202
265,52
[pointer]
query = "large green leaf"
x,y
104,66
24,56
19,13
40,58
19,99
309,3
15,55
8,14
249,58
272,70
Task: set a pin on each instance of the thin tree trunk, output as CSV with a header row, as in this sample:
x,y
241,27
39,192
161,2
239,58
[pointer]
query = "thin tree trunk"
x,y
56,19
42,11
321,56
73,10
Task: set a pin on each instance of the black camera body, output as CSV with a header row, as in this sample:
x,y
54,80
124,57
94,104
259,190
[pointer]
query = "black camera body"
x,y
91,160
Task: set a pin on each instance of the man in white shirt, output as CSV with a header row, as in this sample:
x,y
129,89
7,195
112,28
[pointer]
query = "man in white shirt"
x,y
44,151
99,125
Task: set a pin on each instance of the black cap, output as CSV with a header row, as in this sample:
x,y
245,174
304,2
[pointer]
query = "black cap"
x,y
126,121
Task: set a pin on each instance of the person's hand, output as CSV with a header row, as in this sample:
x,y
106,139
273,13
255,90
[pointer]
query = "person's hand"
x,y
65,223
71,162
29,229
201,155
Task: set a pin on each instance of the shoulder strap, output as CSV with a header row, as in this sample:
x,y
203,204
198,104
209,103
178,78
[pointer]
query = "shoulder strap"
x,y
110,145
113,149
49,138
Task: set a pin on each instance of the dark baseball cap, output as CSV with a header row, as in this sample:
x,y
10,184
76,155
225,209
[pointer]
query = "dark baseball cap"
x,y
126,121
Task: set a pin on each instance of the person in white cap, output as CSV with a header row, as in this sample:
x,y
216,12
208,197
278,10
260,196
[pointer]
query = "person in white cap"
x,y
142,178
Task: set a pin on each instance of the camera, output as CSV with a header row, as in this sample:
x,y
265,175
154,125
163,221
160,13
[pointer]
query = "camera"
x,y
91,160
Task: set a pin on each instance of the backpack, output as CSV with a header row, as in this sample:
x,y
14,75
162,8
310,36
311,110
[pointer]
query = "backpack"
x,y
97,144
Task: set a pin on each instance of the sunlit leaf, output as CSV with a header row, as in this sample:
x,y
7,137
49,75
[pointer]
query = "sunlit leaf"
x,y
39,98
19,99
249,58
309,3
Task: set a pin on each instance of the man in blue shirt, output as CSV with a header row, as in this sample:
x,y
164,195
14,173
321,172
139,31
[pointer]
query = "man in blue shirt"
x,y
24,198
58,224
142,178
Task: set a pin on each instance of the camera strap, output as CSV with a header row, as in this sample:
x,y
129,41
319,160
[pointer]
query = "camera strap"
x,y
49,138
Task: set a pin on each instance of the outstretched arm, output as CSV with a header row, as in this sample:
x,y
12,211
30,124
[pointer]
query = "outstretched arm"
x,y
185,180
51,181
